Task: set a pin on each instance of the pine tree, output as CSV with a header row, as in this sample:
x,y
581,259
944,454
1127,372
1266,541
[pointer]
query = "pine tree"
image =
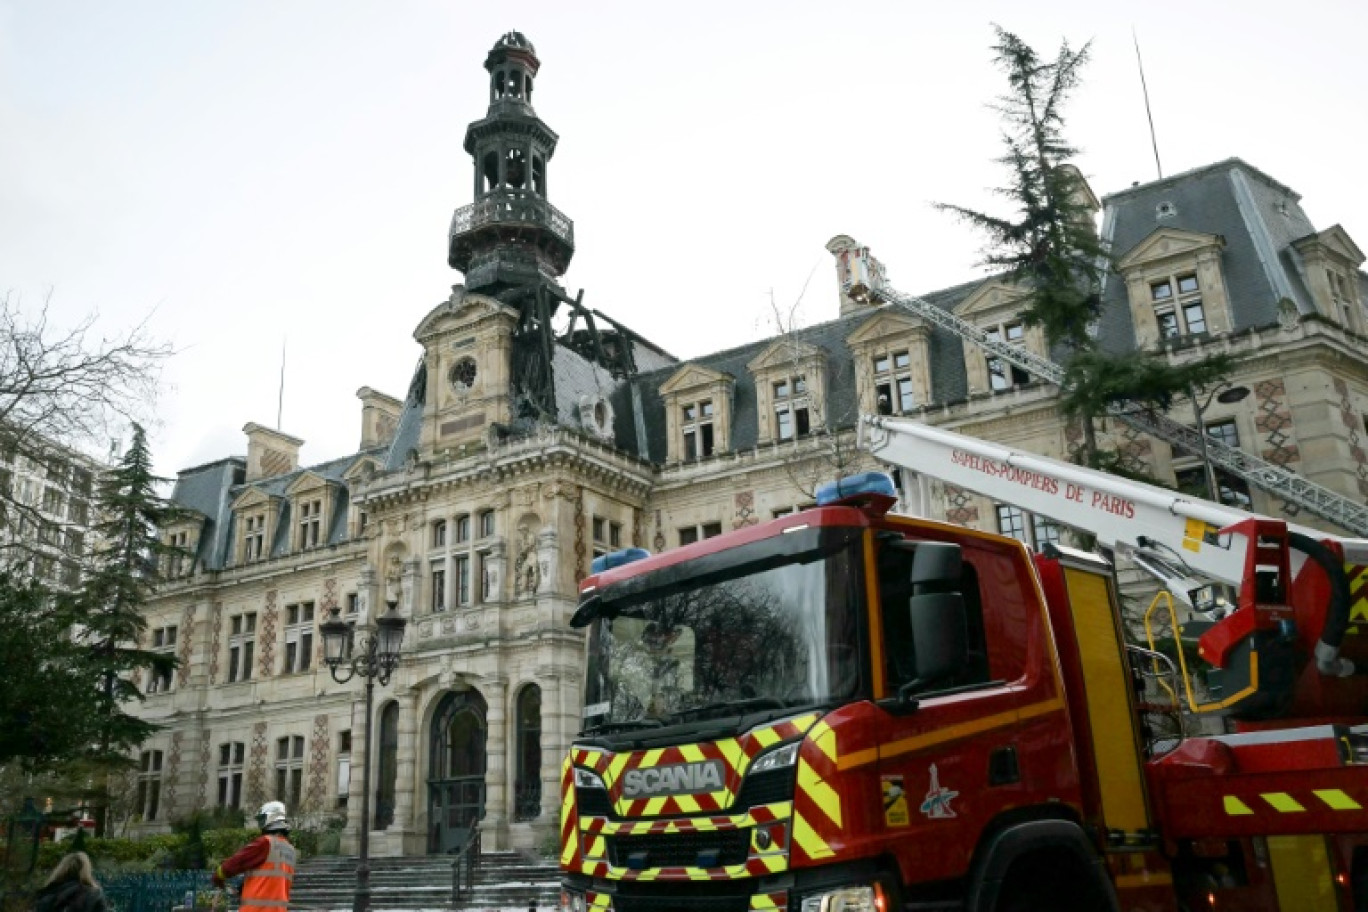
x,y
124,574
1050,247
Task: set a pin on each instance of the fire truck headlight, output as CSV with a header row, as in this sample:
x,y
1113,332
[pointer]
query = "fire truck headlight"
x,y
868,898
778,758
587,779
572,901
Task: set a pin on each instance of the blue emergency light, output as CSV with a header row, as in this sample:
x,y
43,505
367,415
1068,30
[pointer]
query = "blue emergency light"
x,y
617,559
855,486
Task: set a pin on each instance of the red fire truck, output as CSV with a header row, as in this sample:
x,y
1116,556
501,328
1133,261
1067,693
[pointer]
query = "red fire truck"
x,y
849,710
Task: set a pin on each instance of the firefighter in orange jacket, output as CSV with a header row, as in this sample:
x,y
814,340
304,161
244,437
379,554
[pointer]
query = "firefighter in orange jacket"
x,y
268,861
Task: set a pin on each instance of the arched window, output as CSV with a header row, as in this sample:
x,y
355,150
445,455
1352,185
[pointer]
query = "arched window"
x,y
388,768
527,789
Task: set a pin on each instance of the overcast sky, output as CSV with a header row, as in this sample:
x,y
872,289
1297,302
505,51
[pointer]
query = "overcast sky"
x,y
251,175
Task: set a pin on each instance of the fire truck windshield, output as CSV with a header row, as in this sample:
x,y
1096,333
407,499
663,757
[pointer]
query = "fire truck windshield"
x,y
766,626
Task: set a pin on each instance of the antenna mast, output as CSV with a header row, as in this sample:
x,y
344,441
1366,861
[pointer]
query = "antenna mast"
x,y
280,400
1149,116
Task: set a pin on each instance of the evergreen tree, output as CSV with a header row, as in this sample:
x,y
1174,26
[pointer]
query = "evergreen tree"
x,y
1049,246
124,574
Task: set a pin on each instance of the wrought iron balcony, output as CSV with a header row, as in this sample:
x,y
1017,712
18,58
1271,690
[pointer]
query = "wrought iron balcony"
x,y
513,207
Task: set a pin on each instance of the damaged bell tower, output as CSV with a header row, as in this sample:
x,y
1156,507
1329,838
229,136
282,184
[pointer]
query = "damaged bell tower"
x,y
511,243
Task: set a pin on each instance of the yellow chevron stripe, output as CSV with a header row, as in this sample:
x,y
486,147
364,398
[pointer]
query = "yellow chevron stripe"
x,y
1235,807
952,733
615,767
651,758
732,753
821,794
1338,800
766,737
688,804
692,752
598,848
825,739
806,837
762,901
1282,802
654,806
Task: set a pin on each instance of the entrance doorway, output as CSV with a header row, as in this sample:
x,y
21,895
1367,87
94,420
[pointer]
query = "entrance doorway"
x,y
456,770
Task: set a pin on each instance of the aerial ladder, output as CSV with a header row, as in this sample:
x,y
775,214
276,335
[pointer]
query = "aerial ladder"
x,y
862,278
1292,641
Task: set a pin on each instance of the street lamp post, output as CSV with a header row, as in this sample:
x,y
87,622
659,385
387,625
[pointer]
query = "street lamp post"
x,y
1224,393
376,657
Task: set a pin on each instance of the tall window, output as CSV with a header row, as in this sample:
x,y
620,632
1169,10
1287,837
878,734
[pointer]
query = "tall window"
x,y
1342,295
527,787
1031,530
1178,306
163,643
299,637
343,767
607,535
52,501
310,524
241,646
791,417
486,523
463,528
231,755
690,534
893,384
461,567
353,603
179,558
438,580
147,800
254,538
697,424
1001,375
439,530
290,769
1234,491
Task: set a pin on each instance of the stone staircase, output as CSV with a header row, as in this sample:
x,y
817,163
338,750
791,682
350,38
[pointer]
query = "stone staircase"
x,y
503,881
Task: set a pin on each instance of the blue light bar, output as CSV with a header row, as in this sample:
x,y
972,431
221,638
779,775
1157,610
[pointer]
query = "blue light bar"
x,y
617,559
855,485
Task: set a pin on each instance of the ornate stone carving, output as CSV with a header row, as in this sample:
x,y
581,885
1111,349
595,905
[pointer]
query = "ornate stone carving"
x,y
187,643
319,749
526,570
266,636
215,626
256,766
172,771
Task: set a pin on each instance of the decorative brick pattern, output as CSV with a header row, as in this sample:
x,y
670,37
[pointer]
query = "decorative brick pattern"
x,y
1354,424
187,643
202,779
329,600
959,507
172,773
636,528
659,540
266,636
256,766
745,510
215,628
1273,420
581,548
316,793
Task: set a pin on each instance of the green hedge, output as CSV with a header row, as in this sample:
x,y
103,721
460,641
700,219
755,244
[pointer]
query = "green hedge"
x,y
163,851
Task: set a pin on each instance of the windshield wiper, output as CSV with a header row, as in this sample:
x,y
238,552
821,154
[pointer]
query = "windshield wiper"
x,y
604,728
728,708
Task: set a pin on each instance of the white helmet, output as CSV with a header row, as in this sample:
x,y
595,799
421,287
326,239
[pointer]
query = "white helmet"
x,y
272,817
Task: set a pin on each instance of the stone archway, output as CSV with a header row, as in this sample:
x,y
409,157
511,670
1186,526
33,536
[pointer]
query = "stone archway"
x,y
457,753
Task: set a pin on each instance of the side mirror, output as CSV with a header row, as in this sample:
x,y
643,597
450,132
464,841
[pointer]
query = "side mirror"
x,y
936,567
940,638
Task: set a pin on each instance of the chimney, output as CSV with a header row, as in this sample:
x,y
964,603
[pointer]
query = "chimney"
x,y
269,452
379,417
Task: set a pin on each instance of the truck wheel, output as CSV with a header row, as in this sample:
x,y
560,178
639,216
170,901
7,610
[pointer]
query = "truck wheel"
x,y
1046,885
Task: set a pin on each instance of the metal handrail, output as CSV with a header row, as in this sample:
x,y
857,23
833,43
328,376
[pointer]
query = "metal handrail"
x,y
512,207
465,863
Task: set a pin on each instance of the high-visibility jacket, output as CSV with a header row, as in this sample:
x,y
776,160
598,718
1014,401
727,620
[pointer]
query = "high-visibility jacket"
x,y
266,888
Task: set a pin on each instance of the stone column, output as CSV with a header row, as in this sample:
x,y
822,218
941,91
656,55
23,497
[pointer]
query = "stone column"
x,y
406,767
494,564
359,722
365,593
547,561
411,586
497,791
555,737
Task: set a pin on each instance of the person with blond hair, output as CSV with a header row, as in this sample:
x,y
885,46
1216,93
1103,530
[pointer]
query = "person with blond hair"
x,y
71,888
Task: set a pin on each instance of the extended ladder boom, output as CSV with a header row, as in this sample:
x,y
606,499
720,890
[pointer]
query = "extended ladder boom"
x,y
861,280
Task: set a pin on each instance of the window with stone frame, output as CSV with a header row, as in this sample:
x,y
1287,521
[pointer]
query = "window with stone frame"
x,y
1001,374
1031,530
486,523
457,577
344,747
52,501
310,523
147,797
893,390
792,409
696,424
163,643
462,529
789,510
289,770
178,561
439,533
253,537
353,603
241,646
1192,479
1178,308
690,534
299,638
1344,299
607,535
231,757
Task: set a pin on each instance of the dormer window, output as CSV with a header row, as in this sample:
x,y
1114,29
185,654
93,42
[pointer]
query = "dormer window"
x,y
791,412
254,538
893,391
696,420
1001,375
1178,309
310,523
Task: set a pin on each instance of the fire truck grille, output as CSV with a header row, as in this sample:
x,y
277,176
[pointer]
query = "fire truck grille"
x,y
702,896
593,802
688,850
766,788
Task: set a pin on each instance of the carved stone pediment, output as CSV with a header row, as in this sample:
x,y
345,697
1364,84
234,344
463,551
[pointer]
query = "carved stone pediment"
x,y
1336,242
782,354
460,310
253,497
989,298
363,469
307,481
1168,243
888,322
691,376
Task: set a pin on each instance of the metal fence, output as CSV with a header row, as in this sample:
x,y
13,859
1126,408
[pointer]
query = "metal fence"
x,y
158,892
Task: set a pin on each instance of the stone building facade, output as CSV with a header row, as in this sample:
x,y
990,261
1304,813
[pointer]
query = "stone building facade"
x,y
537,434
